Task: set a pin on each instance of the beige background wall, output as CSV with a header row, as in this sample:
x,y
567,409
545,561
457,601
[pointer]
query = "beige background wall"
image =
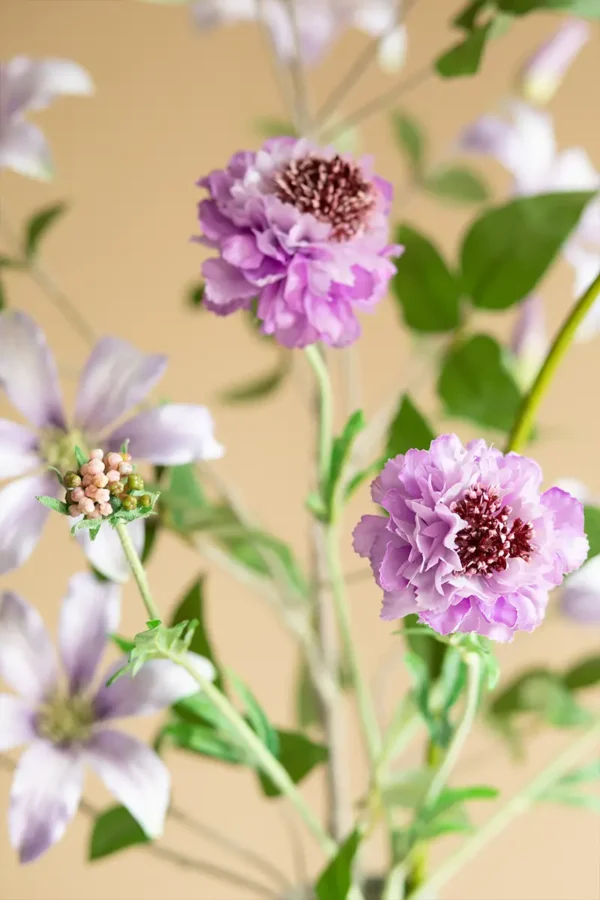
x,y
170,105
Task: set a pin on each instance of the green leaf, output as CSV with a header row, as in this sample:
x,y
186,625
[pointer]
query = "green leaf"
x,y
464,58
340,452
256,715
298,755
334,882
453,678
271,126
307,701
364,475
8,262
205,741
455,820
458,185
541,691
408,789
476,384
410,137
569,798
592,529
122,643
583,674
192,607
467,19
584,773
426,290
53,503
195,295
586,9
438,726
261,387
408,430
80,457
451,797
509,249
115,830
38,225
3,303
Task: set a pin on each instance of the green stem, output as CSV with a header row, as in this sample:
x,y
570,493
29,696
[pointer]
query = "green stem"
x,y
319,368
520,803
526,415
135,564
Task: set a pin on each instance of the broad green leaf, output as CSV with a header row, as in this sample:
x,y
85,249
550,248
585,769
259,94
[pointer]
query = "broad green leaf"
x,y
195,295
427,291
192,607
38,225
52,503
335,880
592,529
115,830
342,446
583,674
298,755
541,691
260,387
585,9
205,741
476,384
467,18
256,715
508,250
410,137
465,58
409,430
457,185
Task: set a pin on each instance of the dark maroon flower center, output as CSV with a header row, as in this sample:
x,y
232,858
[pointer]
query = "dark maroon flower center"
x,y
332,190
489,539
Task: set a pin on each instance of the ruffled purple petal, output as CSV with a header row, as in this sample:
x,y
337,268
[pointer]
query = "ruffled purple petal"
x,y
27,659
17,722
157,685
25,150
116,378
572,546
90,612
169,435
18,450
134,774
106,553
28,371
45,794
22,518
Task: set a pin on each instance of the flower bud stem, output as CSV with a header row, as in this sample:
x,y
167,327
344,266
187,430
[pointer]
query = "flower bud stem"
x,y
135,564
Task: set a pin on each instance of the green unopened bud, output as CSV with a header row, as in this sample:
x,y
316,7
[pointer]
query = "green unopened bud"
x,y
116,488
129,503
72,480
135,482
146,500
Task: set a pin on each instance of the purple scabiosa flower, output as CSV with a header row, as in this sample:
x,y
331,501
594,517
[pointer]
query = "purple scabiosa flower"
x,y
524,143
470,544
27,85
116,378
302,230
68,725
542,74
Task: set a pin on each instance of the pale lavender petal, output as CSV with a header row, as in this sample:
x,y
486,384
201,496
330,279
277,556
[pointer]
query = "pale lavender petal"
x,y
116,378
571,544
27,659
542,75
18,449
134,774
28,371
45,794
529,342
106,552
580,596
33,84
24,149
90,612
17,722
169,435
22,518
157,685
393,50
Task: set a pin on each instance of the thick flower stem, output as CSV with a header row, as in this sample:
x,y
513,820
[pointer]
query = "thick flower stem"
x,y
135,564
325,405
529,407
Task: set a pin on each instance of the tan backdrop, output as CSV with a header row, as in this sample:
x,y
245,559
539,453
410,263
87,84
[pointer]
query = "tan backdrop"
x,y
171,104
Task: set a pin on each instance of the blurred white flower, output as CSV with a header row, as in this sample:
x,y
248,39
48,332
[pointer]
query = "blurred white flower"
x,y
543,73
27,85
529,343
580,594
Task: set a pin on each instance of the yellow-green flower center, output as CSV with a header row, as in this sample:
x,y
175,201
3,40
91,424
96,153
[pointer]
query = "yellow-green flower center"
x,y
58,447
64,719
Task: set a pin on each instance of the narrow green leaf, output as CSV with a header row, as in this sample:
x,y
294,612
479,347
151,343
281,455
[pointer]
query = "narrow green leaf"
x,y
583,674
261,387
307,701
426,290
38,225
52,503
464,58
8,262
451,797
342,446
334,882
476,384
122,643
585,773
195,295
298,755
569,798
3,303
205,741
455,820
192,607
256,715
457,185
114,830
467,18
592,529
408,430
453,678
408,790
585,9
364,475
508,250
410,137
80,457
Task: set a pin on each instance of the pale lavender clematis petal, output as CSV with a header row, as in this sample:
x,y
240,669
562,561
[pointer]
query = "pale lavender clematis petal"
x,y
116,378
27,659
169,435
17,722
22,518
157,685
529,342
134,774
572,170
212,13
89,613
33,84
106,553
18,449
586,267
393,50
28,371
542,74
24,149
580,597
45,794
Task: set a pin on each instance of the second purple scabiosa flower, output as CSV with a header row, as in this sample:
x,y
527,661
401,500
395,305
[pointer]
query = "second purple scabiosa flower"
x,y
304,232
469,543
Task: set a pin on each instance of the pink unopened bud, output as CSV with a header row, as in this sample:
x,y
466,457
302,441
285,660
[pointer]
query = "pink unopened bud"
x,y
106,509
91,491
77,494
125,468
94,514
87,505
96,454
114,460
102,495
84,469
100,480
87,479
113,475
74,510
95,467
542,74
